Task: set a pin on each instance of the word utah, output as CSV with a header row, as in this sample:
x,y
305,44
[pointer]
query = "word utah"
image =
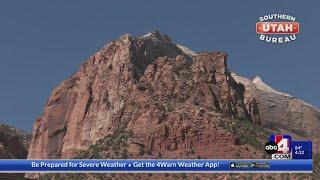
x,y
277,27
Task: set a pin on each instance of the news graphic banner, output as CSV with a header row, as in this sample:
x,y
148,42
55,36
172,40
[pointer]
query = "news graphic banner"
x,y
156,165
283,147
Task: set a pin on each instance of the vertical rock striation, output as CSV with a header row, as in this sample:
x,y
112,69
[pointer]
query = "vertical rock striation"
x,y
108,87
80,110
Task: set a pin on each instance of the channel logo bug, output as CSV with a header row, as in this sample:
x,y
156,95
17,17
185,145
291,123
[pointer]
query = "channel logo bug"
x,y
283,143
277,28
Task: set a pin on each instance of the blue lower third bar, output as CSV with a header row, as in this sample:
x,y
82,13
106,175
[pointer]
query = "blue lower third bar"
x,y
152,165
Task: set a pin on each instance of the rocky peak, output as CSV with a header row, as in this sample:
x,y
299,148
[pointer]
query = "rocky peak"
x,y
80,110
282,112
91,103
156,36
146,97
263,86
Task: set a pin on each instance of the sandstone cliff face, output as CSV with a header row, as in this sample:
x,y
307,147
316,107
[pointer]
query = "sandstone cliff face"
x,y
80,110
179,105
280,111
145,97
121,84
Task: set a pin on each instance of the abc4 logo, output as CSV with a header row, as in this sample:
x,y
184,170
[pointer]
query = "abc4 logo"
x,y
278,144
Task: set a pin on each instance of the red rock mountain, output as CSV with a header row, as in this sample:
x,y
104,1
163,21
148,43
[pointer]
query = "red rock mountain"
x,y
146,97
150,84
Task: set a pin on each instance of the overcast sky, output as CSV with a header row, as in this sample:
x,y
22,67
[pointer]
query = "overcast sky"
x,y
43,42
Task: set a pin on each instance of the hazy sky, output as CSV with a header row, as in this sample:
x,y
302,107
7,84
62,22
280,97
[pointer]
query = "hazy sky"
x,y
43,42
